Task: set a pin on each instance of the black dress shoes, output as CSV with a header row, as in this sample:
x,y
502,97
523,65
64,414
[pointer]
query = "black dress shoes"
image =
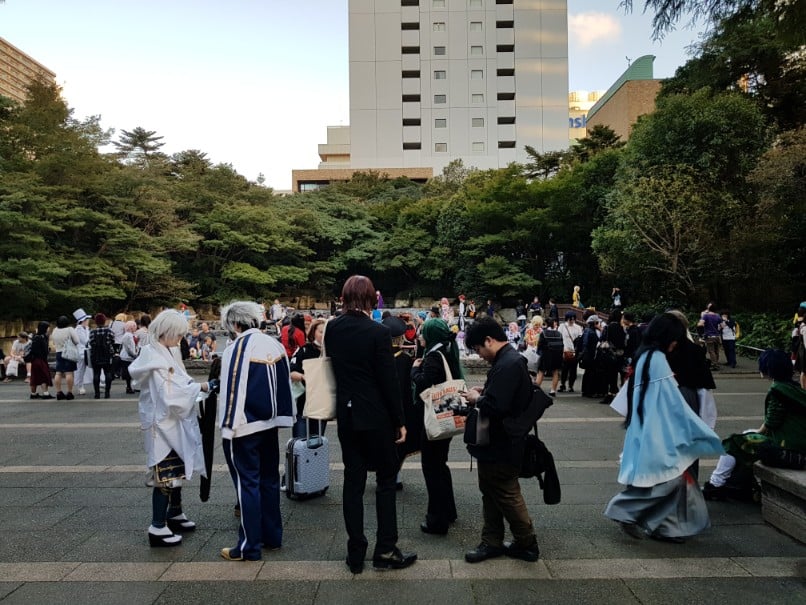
x,y
394,559
483,552
432,529
356,567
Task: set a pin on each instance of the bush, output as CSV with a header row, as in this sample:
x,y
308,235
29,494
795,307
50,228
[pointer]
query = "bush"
x,y
762,331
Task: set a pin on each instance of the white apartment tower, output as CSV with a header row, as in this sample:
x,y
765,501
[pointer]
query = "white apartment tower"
x,y
436,80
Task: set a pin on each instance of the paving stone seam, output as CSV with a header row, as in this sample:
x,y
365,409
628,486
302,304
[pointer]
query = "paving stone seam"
x,y
427,569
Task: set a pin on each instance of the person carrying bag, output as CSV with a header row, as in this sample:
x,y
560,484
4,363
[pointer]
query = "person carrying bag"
x,y
320,386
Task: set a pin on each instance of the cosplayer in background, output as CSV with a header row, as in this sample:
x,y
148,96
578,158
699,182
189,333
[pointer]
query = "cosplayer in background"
x,y
664,437
780,441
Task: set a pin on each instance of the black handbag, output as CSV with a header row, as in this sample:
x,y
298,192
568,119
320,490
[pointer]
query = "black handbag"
x,y
477,428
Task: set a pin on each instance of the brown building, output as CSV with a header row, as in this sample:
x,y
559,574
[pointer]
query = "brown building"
x,y
18,70
631,96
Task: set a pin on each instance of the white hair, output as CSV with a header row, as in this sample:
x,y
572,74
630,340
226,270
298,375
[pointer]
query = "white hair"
x,y
169,324
241,313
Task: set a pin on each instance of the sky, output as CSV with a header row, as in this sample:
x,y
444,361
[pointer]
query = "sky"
x,y
255,83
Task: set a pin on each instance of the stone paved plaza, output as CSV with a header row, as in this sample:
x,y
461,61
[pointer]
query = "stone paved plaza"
x,y
74,513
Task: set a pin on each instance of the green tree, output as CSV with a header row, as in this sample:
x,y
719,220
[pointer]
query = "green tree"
x,y
746,52
139,146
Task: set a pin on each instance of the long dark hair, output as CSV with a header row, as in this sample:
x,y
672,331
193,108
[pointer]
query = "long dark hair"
x,y
660,334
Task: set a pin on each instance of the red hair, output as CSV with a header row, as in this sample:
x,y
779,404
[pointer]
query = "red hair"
x,y
358,294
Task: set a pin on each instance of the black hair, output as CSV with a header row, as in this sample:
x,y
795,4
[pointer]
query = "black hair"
x,y
615,316
777,365
145,320
479,330
42,328
662,331
62,322
628,316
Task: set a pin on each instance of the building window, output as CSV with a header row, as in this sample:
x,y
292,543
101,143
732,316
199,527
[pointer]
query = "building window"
x,y
439,26
411,121
409,2
411,98
477,146
505,48
438,3
476,74
503,1
476,51
411,73
440,99
440,123
410,26
505,72
504,24
506,144
477,122
477,98
407,146
441,147
440,74
476,26
475,4
439,50
410,50
506,119
506,96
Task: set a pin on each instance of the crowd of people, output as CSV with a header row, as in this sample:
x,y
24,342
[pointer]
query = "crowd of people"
x,y
651,372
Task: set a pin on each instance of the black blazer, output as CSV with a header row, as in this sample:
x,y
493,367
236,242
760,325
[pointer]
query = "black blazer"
x,y
364,367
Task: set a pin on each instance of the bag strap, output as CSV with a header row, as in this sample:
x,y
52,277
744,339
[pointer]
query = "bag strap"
x,y
322,353
448,375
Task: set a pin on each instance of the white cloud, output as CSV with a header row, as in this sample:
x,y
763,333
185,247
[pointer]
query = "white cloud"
x,y
588,28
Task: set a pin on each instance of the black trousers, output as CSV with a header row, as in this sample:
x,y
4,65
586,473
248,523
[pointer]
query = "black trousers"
x,y
364,451
441,510
569,373
96,377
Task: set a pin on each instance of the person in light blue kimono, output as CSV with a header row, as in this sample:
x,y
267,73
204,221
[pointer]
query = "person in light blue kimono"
x,y
664,437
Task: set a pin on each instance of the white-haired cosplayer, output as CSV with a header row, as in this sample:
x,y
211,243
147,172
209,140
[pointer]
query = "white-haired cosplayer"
x,y
255,400
170,428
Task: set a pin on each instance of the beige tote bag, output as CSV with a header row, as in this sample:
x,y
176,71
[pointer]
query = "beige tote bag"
x,y
320,386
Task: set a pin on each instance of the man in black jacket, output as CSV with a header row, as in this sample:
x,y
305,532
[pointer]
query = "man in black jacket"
x,y
370,423
506,393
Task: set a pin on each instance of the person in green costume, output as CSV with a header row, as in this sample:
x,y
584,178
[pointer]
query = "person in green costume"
x,y
780,441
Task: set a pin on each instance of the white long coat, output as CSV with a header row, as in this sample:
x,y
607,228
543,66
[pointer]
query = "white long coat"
x,y
167,408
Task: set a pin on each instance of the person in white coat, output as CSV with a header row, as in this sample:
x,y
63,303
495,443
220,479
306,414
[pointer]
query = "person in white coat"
x,y
169,424
83,331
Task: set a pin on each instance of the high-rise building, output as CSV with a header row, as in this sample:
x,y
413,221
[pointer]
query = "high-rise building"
x,y
18,70
436,80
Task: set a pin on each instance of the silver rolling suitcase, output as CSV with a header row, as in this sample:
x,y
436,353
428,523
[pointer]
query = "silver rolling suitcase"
x,y
307,467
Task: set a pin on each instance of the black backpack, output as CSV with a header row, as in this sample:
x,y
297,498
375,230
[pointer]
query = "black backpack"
x,y
554,340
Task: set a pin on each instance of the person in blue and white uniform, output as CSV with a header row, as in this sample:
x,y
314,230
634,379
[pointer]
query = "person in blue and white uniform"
x,y
255,401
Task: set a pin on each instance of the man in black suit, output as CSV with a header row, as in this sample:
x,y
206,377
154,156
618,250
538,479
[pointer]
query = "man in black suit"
x,y
370,423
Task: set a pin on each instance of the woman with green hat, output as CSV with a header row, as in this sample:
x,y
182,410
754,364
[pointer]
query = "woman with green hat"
x,y
438,341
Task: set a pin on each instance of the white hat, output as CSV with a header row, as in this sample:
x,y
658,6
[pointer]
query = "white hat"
x,y
593,319
80,315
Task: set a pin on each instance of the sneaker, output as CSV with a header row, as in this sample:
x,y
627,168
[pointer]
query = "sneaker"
x,y
529,554
483,552
234,554
82,392
394,559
